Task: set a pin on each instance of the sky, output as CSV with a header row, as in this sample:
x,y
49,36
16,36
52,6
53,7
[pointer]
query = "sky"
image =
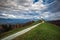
x,y
30,9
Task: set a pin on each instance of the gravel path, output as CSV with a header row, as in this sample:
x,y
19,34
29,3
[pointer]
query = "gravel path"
x,y
20,32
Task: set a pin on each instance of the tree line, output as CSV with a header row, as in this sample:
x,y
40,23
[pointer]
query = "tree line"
x,y
8,27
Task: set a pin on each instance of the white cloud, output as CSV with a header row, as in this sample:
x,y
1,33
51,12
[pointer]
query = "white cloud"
x,y
9,15
38,6
25,5
25,9
18,7
51,16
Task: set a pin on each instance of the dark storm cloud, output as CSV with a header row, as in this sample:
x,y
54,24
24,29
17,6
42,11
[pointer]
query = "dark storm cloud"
x,y
3,2
22,2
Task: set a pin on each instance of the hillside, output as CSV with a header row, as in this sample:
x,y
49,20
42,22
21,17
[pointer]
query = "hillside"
x,y
16,28
56,22
45,31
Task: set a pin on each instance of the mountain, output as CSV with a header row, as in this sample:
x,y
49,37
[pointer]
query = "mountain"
x,y
13,21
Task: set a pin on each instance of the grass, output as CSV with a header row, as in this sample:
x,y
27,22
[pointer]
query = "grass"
x,y
45,31
15,30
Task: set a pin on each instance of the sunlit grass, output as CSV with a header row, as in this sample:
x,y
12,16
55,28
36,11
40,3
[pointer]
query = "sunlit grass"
x,y
45,31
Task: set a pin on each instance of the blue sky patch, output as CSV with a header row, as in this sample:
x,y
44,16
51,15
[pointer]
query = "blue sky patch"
x,y
48,1
35,1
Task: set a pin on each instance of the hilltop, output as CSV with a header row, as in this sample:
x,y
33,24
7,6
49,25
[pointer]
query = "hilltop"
x,y
45,31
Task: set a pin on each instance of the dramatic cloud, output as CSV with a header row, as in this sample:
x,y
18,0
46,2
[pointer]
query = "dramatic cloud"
x,y
21,8
51,16
30,9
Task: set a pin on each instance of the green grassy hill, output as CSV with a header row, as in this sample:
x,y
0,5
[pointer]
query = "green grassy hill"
x,y
45,31
3,35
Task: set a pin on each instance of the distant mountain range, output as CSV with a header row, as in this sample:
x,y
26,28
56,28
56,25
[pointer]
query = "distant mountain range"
x,y
13,21
22,21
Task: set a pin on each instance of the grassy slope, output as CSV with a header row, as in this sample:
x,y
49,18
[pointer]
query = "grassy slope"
x,y
15,30
44,31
